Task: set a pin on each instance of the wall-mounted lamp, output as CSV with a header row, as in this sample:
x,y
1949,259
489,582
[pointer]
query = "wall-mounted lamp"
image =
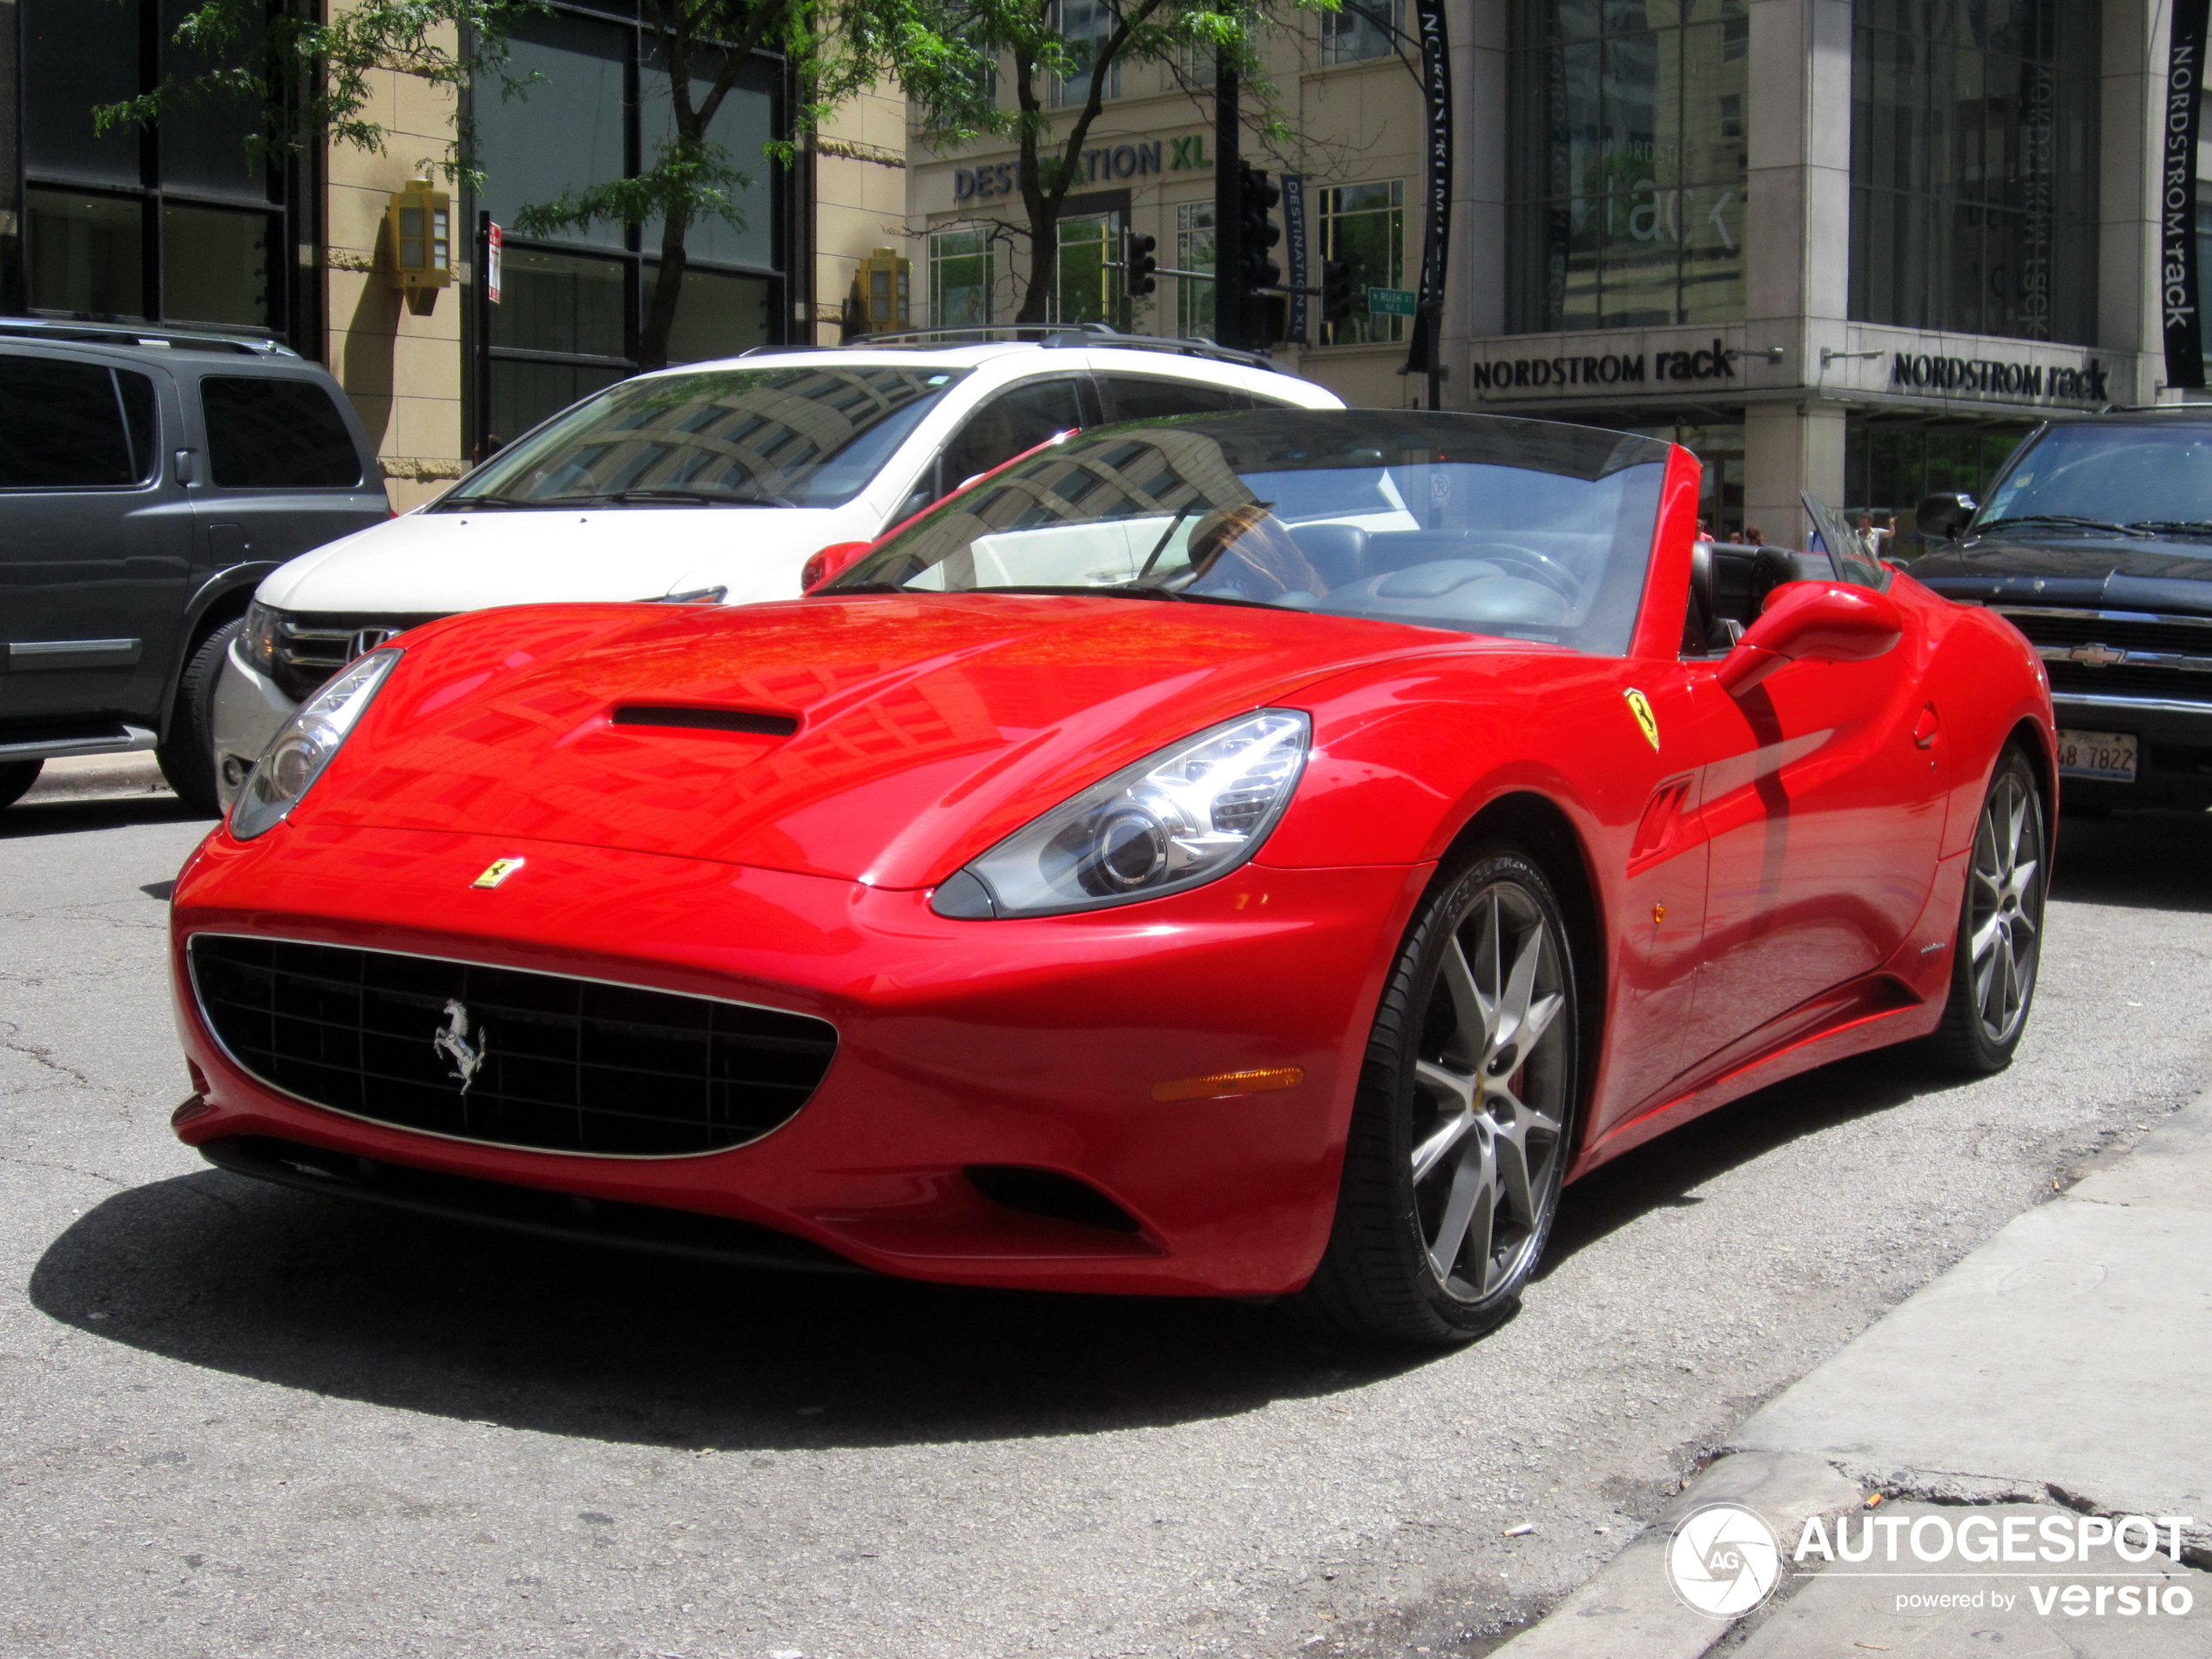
x,y
882,300
418,224
1771,354
1829,355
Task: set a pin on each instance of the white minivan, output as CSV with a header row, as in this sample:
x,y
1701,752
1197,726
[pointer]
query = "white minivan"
x,y
715,480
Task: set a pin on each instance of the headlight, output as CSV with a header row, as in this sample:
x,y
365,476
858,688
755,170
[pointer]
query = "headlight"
x,y
296,755
1175,819
261,623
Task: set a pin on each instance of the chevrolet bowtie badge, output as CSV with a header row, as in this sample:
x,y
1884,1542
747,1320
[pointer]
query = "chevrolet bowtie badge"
x,y
497,871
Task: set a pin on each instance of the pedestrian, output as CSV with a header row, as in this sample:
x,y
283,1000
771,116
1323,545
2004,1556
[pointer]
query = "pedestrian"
x,y
1705,529
1753,537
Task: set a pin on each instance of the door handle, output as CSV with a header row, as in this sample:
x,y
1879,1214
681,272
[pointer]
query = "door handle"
x,y
1924,729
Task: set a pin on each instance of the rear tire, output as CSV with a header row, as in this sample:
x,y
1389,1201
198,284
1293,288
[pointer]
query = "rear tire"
x,y
1465,1115
2007,877
15,779
188,759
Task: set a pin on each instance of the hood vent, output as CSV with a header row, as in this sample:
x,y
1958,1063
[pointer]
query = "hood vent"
x,y
760,721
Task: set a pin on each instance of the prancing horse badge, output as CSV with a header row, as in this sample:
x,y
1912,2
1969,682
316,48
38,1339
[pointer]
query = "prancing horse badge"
x,y
499,869
1639,705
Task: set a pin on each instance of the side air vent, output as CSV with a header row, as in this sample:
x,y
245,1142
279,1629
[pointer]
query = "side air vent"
x,y
1048,1192
699,719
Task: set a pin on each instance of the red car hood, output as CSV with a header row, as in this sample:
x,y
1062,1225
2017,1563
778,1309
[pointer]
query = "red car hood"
x,y
926,728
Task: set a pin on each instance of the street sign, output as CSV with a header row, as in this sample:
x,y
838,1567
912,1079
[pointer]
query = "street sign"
x,y
1391,302
492,240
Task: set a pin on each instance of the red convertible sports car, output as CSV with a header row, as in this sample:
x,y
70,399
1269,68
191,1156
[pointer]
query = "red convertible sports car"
x,y
1248,855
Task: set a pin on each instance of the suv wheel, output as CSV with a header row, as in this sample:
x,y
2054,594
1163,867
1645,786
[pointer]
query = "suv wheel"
x,y
188,759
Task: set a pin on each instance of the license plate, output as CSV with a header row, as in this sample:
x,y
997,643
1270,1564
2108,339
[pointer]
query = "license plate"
x,y
2107,755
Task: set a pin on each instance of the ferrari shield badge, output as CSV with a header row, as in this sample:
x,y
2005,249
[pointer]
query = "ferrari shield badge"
x,y
1639,705
499,869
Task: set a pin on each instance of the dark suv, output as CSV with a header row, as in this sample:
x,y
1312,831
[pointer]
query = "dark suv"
x,y
2096,544
149,479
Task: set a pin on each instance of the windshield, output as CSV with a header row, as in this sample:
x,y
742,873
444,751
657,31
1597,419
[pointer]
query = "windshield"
x,y
809,437
1486,525
2127,477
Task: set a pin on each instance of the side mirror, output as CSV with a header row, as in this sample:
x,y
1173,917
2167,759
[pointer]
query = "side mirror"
x,y
1812,621
832,559
1941,517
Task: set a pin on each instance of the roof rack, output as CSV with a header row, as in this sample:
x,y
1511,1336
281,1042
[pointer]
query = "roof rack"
x,y
1064,335
97,332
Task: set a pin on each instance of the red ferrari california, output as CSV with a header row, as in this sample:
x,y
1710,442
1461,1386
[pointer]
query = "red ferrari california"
x,y
1239,855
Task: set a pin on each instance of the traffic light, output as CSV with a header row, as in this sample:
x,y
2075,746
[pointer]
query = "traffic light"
x,y
1336,292
1141,264
1256,231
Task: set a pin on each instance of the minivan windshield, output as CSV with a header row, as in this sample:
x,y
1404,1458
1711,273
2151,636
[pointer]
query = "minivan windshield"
x,y
1477,523
795,437
2133,478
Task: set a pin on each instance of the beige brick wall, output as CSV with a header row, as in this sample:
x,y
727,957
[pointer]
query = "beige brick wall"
x,y
860,200
400,365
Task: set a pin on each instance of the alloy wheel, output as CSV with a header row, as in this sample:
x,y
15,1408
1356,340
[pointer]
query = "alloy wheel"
x,y
2005,906
1492,1075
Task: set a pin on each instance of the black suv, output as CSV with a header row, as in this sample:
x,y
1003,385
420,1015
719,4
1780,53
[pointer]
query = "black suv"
x,y
149,479
2096,544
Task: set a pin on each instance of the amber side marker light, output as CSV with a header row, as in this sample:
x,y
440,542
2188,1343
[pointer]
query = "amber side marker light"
x,y
1230,1083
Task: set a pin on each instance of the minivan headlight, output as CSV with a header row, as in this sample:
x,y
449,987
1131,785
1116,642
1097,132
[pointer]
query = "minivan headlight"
x,y
297,755
261,624
1175,819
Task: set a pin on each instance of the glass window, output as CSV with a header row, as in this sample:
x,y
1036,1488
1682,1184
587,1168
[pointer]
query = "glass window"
x,y
718,314
1194,251
1626,185
1020,418
217,264
1973,167
1133,397
1362,30
73,425
749,437
87,252
1891,464
1085,25
1364,227
80,57
1090,289
203,142
524,393
962,278
264,432
2131,473
563,132
562,302
742,127
1475,523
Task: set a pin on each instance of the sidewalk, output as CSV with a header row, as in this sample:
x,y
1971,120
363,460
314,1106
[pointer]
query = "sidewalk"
x,y
98,777
2060,1374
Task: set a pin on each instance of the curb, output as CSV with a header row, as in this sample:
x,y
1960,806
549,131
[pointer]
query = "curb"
x,y
1630,1606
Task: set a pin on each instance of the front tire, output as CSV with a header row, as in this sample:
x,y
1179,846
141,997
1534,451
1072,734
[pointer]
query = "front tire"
x,y
1999,946
1466,1114
188,757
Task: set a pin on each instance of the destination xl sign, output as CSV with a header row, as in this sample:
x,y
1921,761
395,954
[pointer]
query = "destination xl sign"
x,y
1919,372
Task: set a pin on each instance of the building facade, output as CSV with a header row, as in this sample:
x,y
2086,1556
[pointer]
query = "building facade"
x,y
1853,249
173,225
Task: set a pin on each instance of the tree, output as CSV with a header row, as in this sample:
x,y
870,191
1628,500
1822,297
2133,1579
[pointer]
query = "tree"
x,y
311,79
949,53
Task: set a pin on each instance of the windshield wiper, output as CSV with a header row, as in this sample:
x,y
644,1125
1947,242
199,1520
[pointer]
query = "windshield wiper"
x,y
703,497
2064,521
468,503
2174,526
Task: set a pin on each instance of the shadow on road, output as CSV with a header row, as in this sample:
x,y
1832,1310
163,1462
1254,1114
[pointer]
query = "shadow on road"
x,y
67,817
458,1321
2139,860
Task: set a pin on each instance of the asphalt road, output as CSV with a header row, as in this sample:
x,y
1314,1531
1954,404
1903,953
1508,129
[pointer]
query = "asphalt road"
x,y
241,1420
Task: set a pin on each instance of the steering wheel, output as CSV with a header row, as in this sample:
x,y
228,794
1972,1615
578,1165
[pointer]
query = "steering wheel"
x,y
1541,567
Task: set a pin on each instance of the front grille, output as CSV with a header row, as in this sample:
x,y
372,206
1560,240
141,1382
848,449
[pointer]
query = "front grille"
x,y
2176,685
2166,636
505,1056
313,646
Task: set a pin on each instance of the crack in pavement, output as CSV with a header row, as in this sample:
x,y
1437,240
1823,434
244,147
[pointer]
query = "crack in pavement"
x,y
41,1056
